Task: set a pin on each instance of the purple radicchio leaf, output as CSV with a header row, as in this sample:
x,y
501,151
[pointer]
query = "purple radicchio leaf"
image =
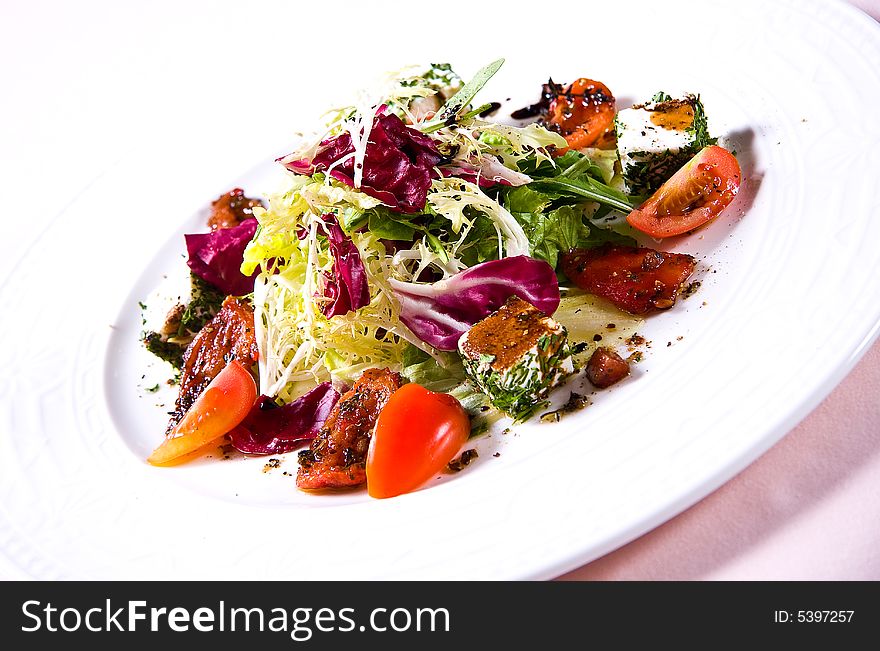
x,y
269,429
347,288
440,313
216,257
398,163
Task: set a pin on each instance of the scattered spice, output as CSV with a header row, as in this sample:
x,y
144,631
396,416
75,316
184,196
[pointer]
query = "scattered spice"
x,y
635,340
152,389
576,402
459,464
226,449
273,463
691,289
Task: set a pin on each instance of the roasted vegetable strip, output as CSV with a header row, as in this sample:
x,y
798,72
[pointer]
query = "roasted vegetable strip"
x,y
634,279
338,454
229,335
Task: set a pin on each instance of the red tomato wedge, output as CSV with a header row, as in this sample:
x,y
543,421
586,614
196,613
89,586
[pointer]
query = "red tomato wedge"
x,y
583,113
417,433
636,280
220,408
694,195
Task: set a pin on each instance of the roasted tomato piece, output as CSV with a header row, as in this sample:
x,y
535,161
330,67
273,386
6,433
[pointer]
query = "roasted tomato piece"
x,y
229,335
231,209
694,195
337,456
605,367
634,279
583,114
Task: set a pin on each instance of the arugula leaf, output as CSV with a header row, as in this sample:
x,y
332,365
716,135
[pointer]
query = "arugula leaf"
x,y
448,112
576,177
463,97
553,207
587,189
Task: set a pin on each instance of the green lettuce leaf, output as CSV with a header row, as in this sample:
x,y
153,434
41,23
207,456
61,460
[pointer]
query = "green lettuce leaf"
x,y
385,226
554,232
526,199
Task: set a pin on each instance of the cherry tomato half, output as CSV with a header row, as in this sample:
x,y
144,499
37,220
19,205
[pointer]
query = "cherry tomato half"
x,y
417,433
584,113
222,406
695,194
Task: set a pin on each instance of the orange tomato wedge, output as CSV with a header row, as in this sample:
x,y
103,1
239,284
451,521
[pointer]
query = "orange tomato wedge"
x,y
222,406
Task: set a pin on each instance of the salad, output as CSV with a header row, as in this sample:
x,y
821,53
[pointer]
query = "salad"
x,y
427,269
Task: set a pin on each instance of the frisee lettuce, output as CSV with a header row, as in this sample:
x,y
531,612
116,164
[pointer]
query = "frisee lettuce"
x,y
299,346
450,197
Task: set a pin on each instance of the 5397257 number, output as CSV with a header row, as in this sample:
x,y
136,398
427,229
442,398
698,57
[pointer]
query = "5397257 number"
x,y
813,616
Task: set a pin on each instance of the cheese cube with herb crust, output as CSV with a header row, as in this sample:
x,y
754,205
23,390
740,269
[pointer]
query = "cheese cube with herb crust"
x,y
656,138
515,356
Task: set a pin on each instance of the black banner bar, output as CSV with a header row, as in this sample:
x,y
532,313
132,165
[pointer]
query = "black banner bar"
x,y
315,615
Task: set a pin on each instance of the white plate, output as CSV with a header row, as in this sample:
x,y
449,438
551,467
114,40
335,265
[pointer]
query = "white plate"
x,y
788,304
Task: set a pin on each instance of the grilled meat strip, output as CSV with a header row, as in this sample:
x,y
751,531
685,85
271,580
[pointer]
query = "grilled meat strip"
x,y
229,335
337,456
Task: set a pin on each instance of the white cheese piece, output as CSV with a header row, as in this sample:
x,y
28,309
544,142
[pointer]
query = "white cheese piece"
x,y
515,356
648,147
